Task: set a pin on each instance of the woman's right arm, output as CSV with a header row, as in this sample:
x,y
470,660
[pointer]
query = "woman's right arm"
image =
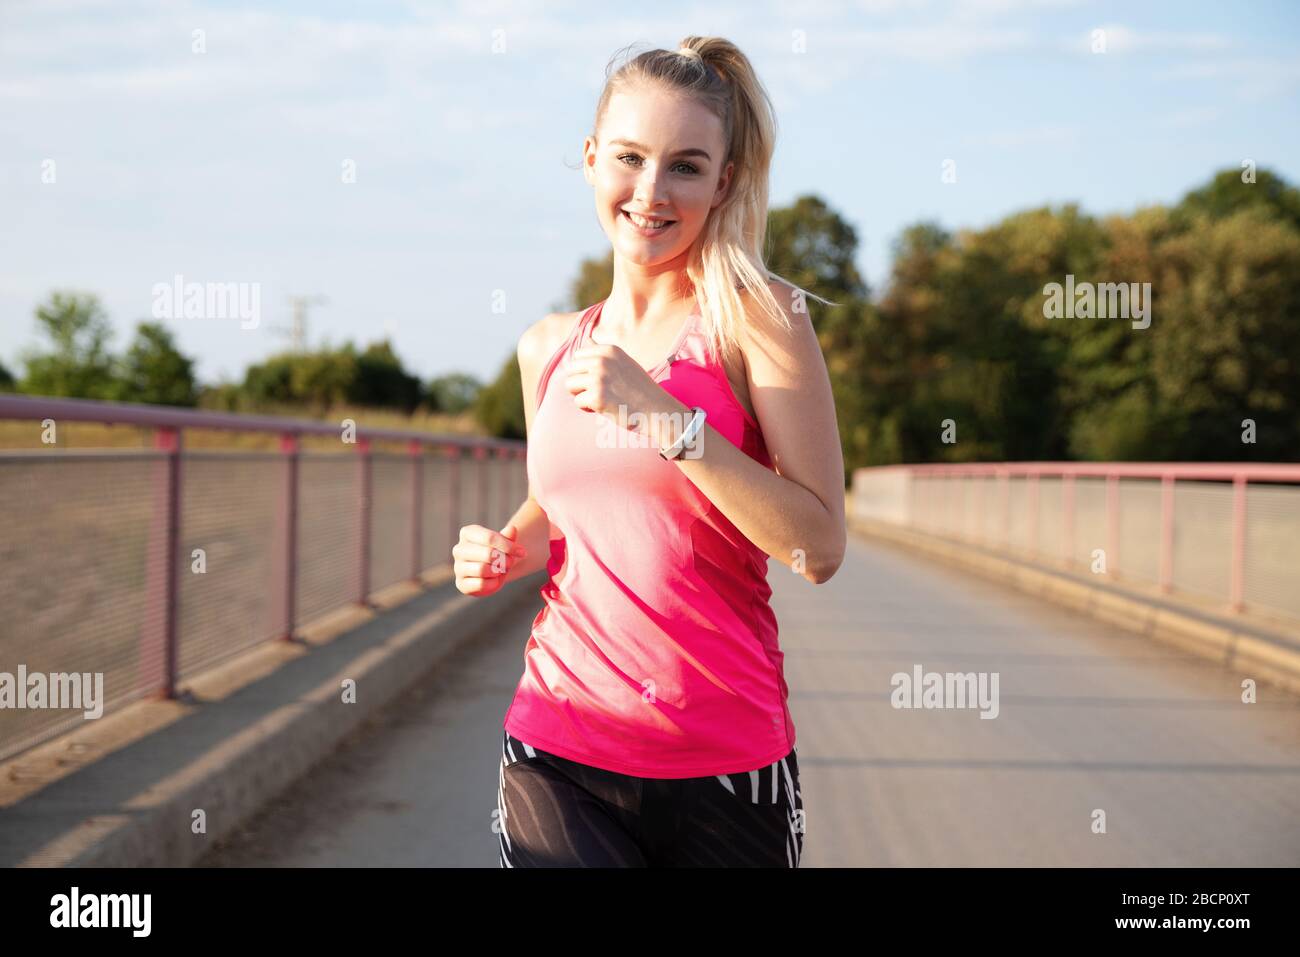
x,y
484,559
534,534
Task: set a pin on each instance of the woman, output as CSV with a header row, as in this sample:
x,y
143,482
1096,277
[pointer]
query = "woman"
x,y
680,432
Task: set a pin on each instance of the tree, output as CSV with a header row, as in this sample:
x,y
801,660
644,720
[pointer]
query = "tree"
x,y
813,247
1227,194
499,406
6,379
270,381
79,365
380,380
318,379
453,393
971,340
1229,347
594,281
154,371
322,379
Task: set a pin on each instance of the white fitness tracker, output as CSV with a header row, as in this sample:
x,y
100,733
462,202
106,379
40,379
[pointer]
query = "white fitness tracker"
x,y
687,438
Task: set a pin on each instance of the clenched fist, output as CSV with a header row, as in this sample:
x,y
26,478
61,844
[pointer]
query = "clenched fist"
x,y
482,558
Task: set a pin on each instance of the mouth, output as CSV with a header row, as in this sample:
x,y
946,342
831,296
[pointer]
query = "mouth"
x,y
647,226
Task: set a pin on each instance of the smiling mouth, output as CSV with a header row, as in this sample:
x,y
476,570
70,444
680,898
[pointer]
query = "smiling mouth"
x,y
645,225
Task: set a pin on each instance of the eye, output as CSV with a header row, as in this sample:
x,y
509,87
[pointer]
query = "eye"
x,y
690,168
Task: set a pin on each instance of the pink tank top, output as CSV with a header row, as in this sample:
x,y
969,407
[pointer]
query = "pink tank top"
x,y
655,652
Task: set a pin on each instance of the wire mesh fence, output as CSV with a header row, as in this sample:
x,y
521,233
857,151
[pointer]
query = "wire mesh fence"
x,y
1223,533
139,567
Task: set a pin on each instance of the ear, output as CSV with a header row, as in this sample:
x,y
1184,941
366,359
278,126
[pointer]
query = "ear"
x,y
724,184
588,159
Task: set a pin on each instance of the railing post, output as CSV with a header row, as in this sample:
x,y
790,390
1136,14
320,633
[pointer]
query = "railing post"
x,y
1166,533
505,465
519,471
1112,526
416,452
947,485
954,504
1033,514
1237,587
971,502
1004,482
981,482
289,524
453,495
363,522
962,507
1067,533
910,520
480,457
163,577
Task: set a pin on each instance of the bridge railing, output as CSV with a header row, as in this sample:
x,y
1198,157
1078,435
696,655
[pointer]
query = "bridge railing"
x,y
1224,531
148,565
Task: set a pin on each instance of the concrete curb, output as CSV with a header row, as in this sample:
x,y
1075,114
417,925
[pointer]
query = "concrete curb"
x,y
258,741
1254,652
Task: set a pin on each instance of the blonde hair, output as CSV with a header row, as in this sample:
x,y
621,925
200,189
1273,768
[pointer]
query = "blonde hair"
x,y
729,257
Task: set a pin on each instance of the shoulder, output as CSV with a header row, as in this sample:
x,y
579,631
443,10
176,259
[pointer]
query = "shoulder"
x,y
763,333
540,340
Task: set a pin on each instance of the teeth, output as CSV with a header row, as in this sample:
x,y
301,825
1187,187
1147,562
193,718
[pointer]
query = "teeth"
x,y
647,223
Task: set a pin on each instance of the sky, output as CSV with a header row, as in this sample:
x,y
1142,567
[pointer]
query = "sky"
x,y
416,163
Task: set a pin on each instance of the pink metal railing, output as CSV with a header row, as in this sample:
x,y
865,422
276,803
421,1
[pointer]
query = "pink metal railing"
x,y
912,483
159,641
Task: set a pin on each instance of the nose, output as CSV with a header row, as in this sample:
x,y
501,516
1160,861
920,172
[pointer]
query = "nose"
x,y
649,190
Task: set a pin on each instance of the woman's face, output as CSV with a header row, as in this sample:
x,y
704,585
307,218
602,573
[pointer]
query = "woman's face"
x,y
660,156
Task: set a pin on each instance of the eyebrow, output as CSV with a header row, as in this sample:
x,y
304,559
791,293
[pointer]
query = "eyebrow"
x,y
645,149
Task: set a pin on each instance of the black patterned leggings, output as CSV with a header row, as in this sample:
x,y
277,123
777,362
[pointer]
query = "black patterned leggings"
x,y
554,812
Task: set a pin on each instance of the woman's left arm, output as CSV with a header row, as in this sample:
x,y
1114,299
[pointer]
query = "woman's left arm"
x,y
795,514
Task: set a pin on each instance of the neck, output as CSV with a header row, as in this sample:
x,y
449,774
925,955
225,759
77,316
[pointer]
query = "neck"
x,y
641,293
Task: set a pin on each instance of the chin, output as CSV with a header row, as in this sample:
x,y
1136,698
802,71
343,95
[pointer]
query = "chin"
x,y
644,254
647,256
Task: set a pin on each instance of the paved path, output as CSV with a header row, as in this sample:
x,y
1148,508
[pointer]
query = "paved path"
x,y
1090,717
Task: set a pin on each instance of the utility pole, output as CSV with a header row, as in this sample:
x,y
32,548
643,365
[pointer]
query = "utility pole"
x,y
298,331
